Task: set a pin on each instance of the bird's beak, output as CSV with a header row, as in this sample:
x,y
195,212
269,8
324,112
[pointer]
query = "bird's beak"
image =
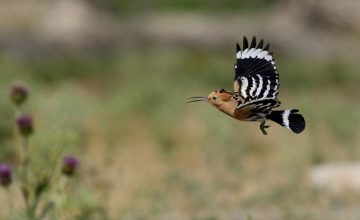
x,y
197,99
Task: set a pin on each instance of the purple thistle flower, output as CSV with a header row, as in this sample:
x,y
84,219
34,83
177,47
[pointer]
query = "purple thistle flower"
x,y
25,124
19,94
70,163
5,175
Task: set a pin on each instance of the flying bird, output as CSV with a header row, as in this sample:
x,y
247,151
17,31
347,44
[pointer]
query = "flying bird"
x,y
256,88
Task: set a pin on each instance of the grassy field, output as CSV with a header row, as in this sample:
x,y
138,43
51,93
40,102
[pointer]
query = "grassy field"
x,y
146,154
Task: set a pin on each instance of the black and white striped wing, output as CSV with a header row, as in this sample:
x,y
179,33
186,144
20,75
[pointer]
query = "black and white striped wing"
x,y
263,106
256,76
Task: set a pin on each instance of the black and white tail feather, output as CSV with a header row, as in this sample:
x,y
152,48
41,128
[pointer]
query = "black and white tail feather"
x,y
257,82
289,119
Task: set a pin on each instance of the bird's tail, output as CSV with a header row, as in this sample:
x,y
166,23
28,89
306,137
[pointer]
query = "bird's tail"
x,y
289,119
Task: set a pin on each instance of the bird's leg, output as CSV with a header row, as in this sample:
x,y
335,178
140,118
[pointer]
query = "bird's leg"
x,y
263,127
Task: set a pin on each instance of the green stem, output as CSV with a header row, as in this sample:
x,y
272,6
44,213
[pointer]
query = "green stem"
x,y
33,207
17,111
25,177
49,206
62,184
25,149
58,196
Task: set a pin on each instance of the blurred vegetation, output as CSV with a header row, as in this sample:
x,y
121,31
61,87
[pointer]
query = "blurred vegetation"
x,y
114,93
149,155
129,7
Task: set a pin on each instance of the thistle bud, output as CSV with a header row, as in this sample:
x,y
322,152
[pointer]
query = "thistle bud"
x,y
69,166
25,125
5,175
19,94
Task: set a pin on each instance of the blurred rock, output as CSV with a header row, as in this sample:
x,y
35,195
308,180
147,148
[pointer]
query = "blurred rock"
x,y
17,16
192,29
38,27
336,177
331,14
74,23
324,28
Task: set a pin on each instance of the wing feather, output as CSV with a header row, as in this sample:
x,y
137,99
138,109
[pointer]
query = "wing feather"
x,y
256,76
260,106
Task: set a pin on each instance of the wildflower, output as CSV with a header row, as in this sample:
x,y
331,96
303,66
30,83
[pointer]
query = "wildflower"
x,y
5,175
19,94
70,164
25,124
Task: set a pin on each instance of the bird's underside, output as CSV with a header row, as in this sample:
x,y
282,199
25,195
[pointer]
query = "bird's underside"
x,y
256,111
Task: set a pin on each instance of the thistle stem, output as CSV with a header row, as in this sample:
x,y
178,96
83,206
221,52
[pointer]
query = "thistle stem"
x,y
58,195
25,177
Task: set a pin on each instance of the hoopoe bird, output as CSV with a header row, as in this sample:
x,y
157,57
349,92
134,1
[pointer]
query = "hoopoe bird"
x,y
256,87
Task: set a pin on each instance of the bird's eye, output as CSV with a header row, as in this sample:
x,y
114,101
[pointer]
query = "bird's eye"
x,y
222,90
214,98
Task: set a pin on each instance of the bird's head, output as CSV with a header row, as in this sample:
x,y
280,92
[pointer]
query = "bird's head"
x,y
216,98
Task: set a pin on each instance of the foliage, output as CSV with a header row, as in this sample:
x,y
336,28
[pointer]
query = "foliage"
x,y
44,190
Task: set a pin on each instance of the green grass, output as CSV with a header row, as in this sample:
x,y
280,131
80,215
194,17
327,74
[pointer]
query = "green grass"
x,y
127,7
155,156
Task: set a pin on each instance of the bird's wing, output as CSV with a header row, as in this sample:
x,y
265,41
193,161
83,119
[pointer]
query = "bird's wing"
x,y
263,105
256,76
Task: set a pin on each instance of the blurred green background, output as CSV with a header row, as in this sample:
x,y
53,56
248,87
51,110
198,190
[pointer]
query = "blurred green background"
x,y
109,82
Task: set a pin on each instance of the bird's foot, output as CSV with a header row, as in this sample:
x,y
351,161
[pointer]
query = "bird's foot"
x,y
263,127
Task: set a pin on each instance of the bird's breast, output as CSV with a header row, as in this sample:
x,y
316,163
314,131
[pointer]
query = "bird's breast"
x,y
228,108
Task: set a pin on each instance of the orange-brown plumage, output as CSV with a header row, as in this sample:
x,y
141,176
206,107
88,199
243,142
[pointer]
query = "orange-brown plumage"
x,y
226,102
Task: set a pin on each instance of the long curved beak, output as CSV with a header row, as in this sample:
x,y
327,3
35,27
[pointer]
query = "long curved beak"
x,y
197,99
